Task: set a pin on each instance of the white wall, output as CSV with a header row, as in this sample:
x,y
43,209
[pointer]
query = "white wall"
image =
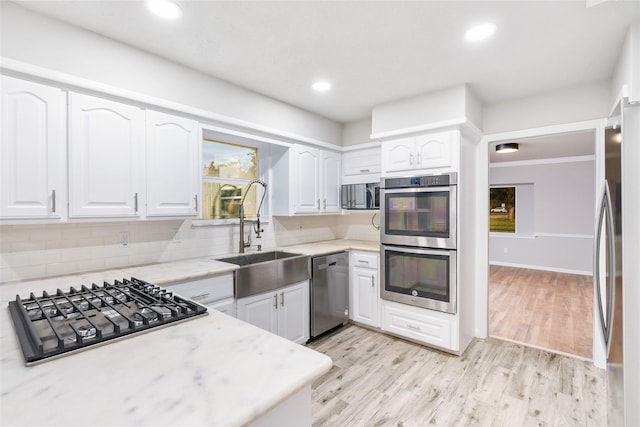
x,y
358,132
38,40
574,104
32,251
627,70
562,219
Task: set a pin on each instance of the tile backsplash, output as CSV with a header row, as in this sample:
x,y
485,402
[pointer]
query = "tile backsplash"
x,y
43,250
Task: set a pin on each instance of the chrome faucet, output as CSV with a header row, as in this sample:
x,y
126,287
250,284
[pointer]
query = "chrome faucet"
x,y
256,226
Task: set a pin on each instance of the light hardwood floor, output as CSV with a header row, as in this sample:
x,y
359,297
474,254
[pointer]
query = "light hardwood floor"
x,y
541,308
378,380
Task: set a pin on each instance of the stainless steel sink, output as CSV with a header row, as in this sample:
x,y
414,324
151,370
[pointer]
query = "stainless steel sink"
x,y
265,271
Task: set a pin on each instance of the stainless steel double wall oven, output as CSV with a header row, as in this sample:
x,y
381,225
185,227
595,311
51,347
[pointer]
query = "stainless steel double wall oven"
x,y
418,241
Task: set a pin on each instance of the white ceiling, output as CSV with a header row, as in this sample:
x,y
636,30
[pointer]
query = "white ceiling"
x,y
372,51
568,144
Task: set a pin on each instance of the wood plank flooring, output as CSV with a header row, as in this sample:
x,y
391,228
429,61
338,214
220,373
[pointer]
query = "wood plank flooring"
x,y
541,308
378,380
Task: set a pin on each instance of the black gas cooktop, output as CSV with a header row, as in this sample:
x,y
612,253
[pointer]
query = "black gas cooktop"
x,y
58,324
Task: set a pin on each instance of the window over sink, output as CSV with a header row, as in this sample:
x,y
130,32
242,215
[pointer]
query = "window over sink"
x,y
227,169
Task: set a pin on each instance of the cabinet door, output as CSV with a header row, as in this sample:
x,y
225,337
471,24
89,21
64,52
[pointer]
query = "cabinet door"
x,y
306,180
365,296
106,162
293,312
227,306
33,150
330,180
398,155
172,159
260,310
361,162
434,150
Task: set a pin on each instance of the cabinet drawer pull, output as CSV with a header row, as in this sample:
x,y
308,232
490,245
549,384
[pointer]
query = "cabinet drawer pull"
x,y
364,170
363,261
201,296
53,201
281,299
275,301
415,328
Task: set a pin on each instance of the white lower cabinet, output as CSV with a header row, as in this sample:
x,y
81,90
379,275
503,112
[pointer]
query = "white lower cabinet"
x,y
216,292
284,312
365,289
426,326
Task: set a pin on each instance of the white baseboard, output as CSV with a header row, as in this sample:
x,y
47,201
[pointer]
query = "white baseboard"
x,y
544,268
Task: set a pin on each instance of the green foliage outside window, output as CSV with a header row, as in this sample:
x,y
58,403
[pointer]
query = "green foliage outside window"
x,y
502,209
227,170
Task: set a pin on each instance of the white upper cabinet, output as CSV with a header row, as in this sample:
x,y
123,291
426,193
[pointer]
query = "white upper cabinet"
x,y
33,159
361,162
172,171
330,181
431,151
316,180
106,158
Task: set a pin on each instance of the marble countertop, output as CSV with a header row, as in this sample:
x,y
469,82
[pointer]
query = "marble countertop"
x,y
213,370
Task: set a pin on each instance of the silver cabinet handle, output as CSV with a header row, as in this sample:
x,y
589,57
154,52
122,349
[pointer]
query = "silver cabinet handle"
x,y
373,281
363,261
201,296
135,202
324,204
364,170
318,204
410,159
196,201
415,328
419,160
281,299
53,201
275,301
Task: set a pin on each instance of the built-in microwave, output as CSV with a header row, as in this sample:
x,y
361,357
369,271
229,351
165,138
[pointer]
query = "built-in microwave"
x,y
360,196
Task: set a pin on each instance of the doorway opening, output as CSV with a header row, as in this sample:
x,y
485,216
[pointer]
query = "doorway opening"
x,y
541,242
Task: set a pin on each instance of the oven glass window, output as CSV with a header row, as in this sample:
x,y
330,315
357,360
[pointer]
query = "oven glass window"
x,y
420,275
418,214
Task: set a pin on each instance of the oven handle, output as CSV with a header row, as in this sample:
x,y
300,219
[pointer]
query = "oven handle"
x,y
419,251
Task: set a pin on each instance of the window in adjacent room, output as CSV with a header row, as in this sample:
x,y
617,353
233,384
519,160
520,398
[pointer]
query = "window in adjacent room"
x,y
227,170
502,209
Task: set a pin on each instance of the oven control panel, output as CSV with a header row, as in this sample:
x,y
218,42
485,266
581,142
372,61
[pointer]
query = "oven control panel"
x,y
441,180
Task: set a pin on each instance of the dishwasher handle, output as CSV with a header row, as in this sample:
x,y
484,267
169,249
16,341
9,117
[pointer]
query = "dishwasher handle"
x,y
325,266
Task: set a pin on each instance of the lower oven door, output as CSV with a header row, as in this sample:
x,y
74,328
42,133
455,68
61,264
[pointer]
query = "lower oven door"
x,y
421,277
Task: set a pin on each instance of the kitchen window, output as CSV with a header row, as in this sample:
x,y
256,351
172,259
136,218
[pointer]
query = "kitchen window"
x,y
227,170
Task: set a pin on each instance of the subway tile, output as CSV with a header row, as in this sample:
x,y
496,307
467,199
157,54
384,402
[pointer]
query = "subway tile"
x,y
30,272
58,268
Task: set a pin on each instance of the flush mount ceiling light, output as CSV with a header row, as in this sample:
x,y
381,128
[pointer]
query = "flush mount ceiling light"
x,y
480,32
321,86
164,8
510,147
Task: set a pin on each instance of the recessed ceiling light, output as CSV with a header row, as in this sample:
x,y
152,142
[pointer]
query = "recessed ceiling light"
x,y
321,86
480,32
164,8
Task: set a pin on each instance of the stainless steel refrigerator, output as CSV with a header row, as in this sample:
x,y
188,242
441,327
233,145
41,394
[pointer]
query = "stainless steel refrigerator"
x,y
608,272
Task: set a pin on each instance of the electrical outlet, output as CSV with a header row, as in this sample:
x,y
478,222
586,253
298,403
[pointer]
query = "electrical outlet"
x,y
506,250
124,239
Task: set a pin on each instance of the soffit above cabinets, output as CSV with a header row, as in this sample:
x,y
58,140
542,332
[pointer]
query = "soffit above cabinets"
x,y
372,52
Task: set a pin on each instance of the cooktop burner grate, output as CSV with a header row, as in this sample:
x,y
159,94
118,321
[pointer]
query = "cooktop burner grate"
x,y
52,325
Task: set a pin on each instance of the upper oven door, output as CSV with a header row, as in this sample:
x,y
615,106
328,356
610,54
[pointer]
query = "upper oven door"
x,y
419,216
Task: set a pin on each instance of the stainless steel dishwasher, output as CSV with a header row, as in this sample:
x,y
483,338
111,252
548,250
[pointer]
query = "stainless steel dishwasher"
x,y
329,292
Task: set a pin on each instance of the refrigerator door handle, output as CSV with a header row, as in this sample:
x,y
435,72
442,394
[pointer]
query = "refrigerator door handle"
x,y
605,213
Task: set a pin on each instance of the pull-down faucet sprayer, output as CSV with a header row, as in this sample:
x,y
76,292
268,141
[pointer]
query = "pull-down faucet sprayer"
x,y
256,226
